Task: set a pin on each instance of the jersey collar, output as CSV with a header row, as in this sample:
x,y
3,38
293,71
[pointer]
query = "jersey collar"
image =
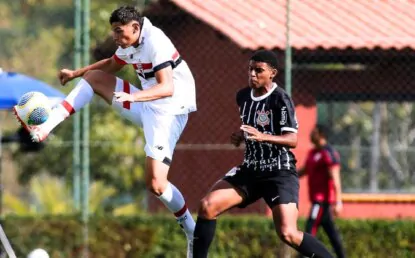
x,y
144,30
274,86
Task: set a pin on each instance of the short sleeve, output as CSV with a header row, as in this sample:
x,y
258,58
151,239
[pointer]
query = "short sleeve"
x,y
288,118
163,53
331,157
120,56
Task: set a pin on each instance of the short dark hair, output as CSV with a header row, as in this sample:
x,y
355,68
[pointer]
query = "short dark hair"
x,y
323,130
266,56
126,14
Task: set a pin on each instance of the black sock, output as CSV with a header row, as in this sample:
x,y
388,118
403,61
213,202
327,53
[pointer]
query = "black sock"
x,y
203,236
311,247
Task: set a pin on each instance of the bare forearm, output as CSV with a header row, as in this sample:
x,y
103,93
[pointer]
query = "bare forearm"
x,y
158,91
338,189
103,65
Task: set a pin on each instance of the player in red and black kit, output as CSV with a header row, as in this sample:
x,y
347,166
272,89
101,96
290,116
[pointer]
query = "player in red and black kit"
x,y
324,184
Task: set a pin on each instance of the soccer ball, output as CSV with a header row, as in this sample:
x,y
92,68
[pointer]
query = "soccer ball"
x,y
38,253
33,108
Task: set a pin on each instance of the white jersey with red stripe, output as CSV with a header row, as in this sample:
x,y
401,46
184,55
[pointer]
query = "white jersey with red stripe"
x,y
155,52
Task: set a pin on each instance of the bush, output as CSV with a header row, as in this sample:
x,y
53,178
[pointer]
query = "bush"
x,y
159,236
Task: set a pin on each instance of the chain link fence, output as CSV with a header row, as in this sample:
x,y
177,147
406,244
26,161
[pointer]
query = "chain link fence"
x,y
364,94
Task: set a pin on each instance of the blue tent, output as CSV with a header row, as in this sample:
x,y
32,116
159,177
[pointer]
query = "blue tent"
x,y
14,85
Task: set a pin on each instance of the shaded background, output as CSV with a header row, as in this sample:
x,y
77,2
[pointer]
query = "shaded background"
x,y
352,69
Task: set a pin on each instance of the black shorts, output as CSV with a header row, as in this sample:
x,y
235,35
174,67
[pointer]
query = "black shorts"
x,y
275,187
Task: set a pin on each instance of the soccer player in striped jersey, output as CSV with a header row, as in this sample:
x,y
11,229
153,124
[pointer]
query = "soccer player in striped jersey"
x,y
322,168
161,108
268,171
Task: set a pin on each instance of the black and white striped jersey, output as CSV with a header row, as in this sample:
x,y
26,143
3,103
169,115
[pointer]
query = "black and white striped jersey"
x,y
272,113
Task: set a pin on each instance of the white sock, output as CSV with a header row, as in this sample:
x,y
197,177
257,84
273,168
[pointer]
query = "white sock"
x,y
174,201
80,96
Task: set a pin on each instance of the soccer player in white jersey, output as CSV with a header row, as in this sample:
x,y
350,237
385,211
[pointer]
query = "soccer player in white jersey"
x,y
161,108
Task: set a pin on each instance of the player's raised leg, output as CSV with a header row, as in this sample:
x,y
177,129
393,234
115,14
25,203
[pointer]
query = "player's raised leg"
x,y
222,197
285,220
94,81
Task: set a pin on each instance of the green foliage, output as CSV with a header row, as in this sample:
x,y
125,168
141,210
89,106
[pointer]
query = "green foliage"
x,y
159,236
39,42
49,195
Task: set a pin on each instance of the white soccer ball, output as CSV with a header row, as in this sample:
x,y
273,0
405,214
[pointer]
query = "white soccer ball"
x,y
33,108
38,253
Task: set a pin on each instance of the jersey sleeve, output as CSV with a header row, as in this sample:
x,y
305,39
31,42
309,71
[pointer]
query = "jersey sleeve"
x,y
286,113
120,56
163,53
331,157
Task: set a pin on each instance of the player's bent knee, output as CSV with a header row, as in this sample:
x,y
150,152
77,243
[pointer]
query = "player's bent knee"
x,y
98,79
93,76
207,209
156,187
289,235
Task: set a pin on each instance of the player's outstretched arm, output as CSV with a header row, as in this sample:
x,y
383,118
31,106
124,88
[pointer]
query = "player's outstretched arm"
x,y
108,65
164,88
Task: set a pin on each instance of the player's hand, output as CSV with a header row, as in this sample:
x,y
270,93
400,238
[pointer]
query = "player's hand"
x,y
337,208
123,97
66,75
237,138
253,133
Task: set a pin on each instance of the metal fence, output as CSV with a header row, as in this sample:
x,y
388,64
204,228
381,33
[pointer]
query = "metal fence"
x,y
363,93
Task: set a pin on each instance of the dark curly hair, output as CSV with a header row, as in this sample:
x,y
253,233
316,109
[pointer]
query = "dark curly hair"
x,y
126,14
323,130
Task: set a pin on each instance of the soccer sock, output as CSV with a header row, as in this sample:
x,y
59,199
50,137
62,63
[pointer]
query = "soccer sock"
x,y
203,236
80,96
311,247
174,201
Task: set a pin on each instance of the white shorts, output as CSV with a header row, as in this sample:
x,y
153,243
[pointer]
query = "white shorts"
x,y
161,131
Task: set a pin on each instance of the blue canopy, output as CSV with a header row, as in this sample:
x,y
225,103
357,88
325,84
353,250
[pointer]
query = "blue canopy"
x,y
14,85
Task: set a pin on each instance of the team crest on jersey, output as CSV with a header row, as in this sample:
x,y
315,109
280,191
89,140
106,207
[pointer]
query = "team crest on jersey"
x,y
139,69
263,118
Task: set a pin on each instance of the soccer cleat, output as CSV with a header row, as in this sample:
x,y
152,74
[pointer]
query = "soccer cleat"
x,y
189,248
38,135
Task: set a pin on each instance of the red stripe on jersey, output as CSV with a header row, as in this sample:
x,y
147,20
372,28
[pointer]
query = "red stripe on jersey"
x,y
144,66
119,60
181,211
126,104
68,107
175,55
